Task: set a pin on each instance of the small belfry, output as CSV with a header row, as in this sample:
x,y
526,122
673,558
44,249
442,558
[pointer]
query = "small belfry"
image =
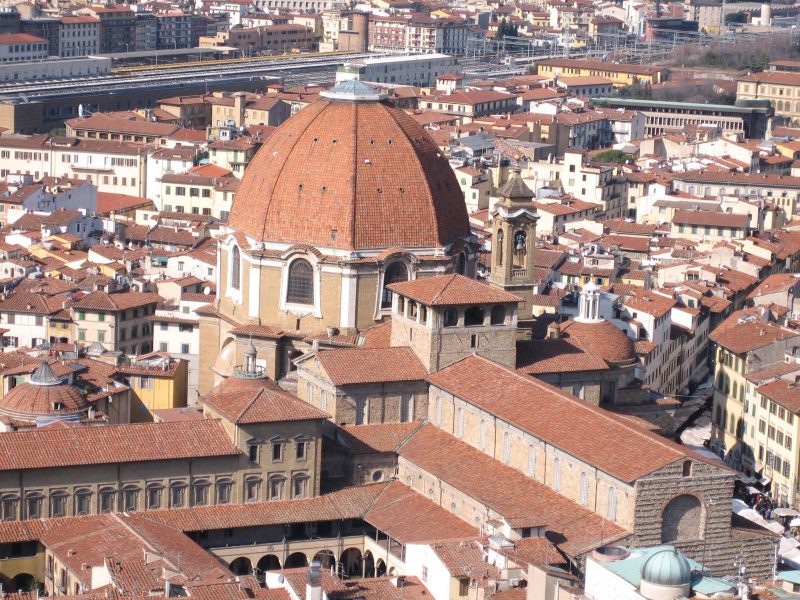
x,y
514,239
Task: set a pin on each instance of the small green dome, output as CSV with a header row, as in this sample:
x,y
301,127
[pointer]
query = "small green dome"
x,y
668,567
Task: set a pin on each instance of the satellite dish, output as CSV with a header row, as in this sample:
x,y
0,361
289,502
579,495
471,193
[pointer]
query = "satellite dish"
x,y
281,578
80,111
207,291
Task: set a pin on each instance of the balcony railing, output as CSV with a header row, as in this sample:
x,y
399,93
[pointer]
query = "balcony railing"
x,y
243,372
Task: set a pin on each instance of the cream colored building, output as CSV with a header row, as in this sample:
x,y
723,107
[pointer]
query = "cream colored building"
x,y
781,88
117,320
268,451
745,346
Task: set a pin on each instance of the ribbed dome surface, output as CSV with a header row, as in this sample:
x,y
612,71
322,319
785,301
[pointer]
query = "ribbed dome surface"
x,y
350,174
29,400
603,339
667,567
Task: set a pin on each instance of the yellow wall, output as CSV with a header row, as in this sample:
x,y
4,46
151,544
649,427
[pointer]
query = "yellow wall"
x,y
163,392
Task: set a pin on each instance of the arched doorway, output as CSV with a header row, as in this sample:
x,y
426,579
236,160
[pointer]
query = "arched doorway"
x,y
241,566
22,582
369,564
380,568
682,519
351,563
295,561
326,559
270,562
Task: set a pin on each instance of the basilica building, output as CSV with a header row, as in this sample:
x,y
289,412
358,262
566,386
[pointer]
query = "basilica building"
x,y
346,198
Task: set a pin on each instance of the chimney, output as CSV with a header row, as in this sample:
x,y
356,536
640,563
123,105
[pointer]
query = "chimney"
x,y
313,582
553,331
399,581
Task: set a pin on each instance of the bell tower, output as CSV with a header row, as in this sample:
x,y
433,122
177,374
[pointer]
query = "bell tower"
x,y
514,239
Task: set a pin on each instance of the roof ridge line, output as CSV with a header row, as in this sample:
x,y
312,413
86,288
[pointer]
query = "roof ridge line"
x,y
375,500
412,434
583,406
408,438
447,285
250,403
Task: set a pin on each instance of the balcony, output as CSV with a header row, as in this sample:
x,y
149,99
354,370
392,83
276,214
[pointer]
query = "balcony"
x,y
252,372
519,273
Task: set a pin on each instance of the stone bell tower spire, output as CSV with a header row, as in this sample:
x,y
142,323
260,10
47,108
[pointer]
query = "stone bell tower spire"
x,y
514,239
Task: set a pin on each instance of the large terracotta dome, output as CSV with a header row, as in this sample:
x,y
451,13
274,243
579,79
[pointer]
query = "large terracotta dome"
x,y
601,339
350,172
44,396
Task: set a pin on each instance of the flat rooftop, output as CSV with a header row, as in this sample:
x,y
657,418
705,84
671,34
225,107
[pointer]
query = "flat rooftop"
x,y
380,60
166,52
692,106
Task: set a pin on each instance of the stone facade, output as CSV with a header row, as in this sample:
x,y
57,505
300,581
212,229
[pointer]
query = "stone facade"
x,y
534,457
382,400
688,506
442,335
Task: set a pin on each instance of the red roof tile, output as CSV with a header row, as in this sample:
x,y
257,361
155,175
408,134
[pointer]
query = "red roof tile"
x,y
520,500
587,432
445,290
72,446
350,175
349,366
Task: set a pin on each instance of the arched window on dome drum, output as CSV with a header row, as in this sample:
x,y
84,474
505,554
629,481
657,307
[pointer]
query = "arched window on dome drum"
x,y
395,273
236,268
300,286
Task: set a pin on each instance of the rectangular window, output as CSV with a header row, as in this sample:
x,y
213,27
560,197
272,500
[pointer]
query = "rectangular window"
x,y
154,497
33,507
58,505
277,452
224,492
177,494
184,348
106,501
101,336
82,500
300,450
252,488
252,452
130,500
